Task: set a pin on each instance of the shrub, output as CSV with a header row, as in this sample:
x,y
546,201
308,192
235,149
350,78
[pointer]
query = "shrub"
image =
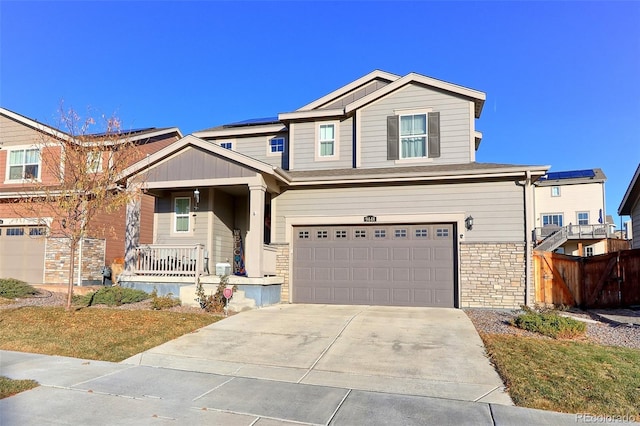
x,y
12,288
213,302
114,296
163,302
550,324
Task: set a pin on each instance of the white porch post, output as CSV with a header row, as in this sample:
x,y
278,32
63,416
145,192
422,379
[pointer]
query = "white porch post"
x,y
255,233
132,230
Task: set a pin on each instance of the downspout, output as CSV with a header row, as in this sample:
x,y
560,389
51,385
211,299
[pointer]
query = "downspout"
x,y
527,238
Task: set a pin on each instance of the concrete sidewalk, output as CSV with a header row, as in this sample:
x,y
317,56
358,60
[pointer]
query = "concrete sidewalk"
x,y
80,392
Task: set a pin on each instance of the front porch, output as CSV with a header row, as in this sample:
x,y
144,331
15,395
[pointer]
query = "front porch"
x,y
176,270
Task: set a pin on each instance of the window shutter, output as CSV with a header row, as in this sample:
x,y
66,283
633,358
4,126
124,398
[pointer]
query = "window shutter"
x,y
434,134
393,141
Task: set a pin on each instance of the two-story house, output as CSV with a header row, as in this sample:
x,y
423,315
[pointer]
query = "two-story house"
x,y
369,195
30,250
570,212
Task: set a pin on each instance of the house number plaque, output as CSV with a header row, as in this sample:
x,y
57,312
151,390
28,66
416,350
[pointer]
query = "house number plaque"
x,y
370,218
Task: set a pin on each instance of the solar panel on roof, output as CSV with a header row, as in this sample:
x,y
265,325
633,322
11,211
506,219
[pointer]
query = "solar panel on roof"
x,y
255,121
572,174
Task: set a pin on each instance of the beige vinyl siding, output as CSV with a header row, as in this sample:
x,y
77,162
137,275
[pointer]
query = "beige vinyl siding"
x,y
455,119
496,207
223,224
165,220
304,140
258,147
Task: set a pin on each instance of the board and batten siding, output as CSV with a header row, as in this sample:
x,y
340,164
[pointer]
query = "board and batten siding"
x,y
455,125
635,226
496,207
305,147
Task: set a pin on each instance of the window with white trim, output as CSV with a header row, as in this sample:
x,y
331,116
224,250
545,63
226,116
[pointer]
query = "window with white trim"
x,y
276,145
94,161
552,219
588,251
583,218
15,232
413,136
327,140
227,145
182,209
24,164
555,191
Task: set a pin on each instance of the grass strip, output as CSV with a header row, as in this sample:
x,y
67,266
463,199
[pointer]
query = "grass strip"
x,y
566,376
9,387
89,333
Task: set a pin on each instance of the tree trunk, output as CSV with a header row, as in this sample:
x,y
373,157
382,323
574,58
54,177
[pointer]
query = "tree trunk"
x,y
72,264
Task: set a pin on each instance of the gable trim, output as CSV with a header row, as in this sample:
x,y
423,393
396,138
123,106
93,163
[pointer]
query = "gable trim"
x,y
631,195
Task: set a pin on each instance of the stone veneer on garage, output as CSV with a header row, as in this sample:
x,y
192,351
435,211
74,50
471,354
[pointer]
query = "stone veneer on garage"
x,y
492,275
282,269
57,259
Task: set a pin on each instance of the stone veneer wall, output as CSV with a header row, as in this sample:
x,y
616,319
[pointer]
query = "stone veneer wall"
x,y
57,257
492,275
282,269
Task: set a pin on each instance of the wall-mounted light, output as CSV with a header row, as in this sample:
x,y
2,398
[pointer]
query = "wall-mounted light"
x,y
64,223
196,196
468,223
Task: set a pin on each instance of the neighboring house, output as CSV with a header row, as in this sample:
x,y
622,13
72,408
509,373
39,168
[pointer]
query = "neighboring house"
x,y
29,250
368,195
570,213
630,206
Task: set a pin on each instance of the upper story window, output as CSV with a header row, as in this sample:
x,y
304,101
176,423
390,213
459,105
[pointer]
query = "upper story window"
x,y
327,140
226,145
555,191
413,136
24,164
182,208
276,145
552,219
94,162
583,218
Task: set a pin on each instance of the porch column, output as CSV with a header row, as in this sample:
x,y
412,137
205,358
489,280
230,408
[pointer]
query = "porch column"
x,y
132,228
255,233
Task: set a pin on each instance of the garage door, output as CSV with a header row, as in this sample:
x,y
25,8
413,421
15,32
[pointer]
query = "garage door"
x,y
395,265
22,253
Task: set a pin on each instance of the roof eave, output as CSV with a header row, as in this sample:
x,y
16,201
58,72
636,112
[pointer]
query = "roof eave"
x,y
240,131
631,195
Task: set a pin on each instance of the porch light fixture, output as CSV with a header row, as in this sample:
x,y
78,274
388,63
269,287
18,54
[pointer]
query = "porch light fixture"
x,y
196,196
468,223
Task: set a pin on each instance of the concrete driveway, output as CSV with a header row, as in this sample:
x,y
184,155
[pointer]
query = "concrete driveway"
x,y
431,352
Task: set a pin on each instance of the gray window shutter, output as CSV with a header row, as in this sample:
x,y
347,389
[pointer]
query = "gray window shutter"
x,y
392,138
434,134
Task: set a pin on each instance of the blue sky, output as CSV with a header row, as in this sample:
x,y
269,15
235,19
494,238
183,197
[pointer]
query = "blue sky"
x,y
562,78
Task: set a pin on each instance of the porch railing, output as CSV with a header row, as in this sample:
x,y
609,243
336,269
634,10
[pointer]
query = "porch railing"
x,y
574,231
170,260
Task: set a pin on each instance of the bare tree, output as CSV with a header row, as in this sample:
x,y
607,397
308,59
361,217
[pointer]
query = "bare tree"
x,y
79,180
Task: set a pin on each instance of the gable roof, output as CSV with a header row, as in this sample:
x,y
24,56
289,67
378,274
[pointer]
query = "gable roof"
x,y
313,109
207,146
127,135
632,195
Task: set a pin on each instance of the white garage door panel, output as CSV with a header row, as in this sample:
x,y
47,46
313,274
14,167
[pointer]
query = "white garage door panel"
x,y
398,265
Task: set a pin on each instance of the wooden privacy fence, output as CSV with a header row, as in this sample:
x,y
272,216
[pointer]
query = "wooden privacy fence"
x,y
607,281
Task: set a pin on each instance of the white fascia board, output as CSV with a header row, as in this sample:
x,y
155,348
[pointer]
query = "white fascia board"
x,y
240,131
317,113
478,138
156,133
349,87
32,123
627,203
409,177
418,78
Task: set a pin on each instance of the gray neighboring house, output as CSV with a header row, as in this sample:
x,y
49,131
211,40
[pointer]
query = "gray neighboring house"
x,y
630,206
368,195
